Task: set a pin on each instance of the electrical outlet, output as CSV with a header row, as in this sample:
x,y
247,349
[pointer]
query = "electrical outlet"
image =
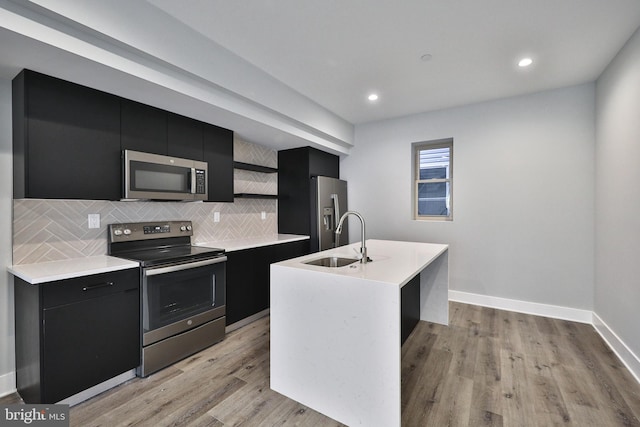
x,y
216,217
263,215
93,220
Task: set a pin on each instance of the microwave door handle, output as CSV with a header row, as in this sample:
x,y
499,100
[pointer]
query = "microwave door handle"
x,y
193,180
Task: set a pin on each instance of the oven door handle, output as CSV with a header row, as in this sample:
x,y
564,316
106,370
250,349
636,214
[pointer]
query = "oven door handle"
x,y
185,266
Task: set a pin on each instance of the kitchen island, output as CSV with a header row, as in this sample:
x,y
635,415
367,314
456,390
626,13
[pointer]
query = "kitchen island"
x,y
335,331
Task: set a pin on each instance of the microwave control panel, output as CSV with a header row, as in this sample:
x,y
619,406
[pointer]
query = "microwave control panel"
x,y
201,181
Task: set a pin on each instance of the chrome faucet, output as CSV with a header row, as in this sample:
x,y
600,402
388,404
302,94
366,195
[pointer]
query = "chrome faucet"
x,y
363,248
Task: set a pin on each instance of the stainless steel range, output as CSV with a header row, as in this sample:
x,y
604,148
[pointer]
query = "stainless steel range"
x,y
183,289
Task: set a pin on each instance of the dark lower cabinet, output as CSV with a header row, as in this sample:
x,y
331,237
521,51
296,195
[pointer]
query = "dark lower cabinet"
x,y
291,250
409,307
247,282
73,334
248,277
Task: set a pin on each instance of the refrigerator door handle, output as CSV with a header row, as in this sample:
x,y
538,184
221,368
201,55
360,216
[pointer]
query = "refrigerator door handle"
x,y
336,207
336,215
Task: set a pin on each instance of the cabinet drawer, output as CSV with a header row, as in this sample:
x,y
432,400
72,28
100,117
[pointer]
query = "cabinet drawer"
x,y
83,288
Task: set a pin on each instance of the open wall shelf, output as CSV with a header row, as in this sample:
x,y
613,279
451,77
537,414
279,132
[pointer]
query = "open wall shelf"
x,y
254,168
255,196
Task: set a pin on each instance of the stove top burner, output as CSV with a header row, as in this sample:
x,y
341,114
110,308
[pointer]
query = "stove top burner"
x,y
171,255
157,243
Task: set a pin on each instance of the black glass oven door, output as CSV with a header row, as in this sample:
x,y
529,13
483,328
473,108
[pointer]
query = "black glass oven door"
x,y
183,292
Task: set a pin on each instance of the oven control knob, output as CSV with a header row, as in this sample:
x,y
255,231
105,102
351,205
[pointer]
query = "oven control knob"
x,y
127,232
117,232
188,227
189,322
183,228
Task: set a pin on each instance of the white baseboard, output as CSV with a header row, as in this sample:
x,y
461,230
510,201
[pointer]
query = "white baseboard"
x,y
624,353
546,310
7,384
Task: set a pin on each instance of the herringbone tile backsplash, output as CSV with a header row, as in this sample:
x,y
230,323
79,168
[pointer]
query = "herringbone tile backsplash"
x,y
49,230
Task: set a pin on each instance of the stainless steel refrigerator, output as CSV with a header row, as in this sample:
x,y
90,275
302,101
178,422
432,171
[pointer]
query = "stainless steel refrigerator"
x,y
328,203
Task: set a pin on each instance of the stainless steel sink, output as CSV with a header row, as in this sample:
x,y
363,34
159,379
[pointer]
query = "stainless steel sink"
x,y
332,261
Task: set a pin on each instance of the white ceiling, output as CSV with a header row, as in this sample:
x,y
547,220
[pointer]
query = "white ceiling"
x,y
287,73
338,51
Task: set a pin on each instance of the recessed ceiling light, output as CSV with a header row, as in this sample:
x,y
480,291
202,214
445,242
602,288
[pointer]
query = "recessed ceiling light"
x,y
373,97
525,62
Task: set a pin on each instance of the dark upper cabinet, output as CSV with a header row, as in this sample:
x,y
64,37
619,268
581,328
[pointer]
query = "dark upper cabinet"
x,y
66,140
295,169
184,137
322,163
218,153
143,128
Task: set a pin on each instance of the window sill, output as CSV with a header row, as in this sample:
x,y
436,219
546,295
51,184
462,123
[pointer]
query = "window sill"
x,y
434,218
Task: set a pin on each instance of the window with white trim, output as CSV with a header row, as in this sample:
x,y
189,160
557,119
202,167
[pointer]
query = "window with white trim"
x,y
433,180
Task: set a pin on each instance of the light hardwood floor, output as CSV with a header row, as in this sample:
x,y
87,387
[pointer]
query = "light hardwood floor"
x,y
488,368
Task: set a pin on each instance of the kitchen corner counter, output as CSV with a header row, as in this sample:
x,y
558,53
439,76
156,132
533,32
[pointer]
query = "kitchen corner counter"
x,y
253,242
50,271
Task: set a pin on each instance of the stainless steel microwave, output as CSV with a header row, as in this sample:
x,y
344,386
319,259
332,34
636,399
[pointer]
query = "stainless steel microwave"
x,y
156,177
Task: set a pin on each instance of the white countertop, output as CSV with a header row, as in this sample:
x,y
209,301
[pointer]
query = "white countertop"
x,y
392,262
253,242
67,269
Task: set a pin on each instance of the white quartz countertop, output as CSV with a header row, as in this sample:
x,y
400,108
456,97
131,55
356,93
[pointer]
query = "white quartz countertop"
x,y
393,262
253,242
44,272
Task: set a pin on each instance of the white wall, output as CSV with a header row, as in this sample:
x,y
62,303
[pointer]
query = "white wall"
x,y
523,173
617,281
7,364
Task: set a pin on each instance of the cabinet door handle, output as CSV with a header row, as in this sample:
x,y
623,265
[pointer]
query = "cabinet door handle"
x,y
99,285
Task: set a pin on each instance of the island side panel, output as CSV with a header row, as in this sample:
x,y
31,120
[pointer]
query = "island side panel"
x,y
335,345
434,290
